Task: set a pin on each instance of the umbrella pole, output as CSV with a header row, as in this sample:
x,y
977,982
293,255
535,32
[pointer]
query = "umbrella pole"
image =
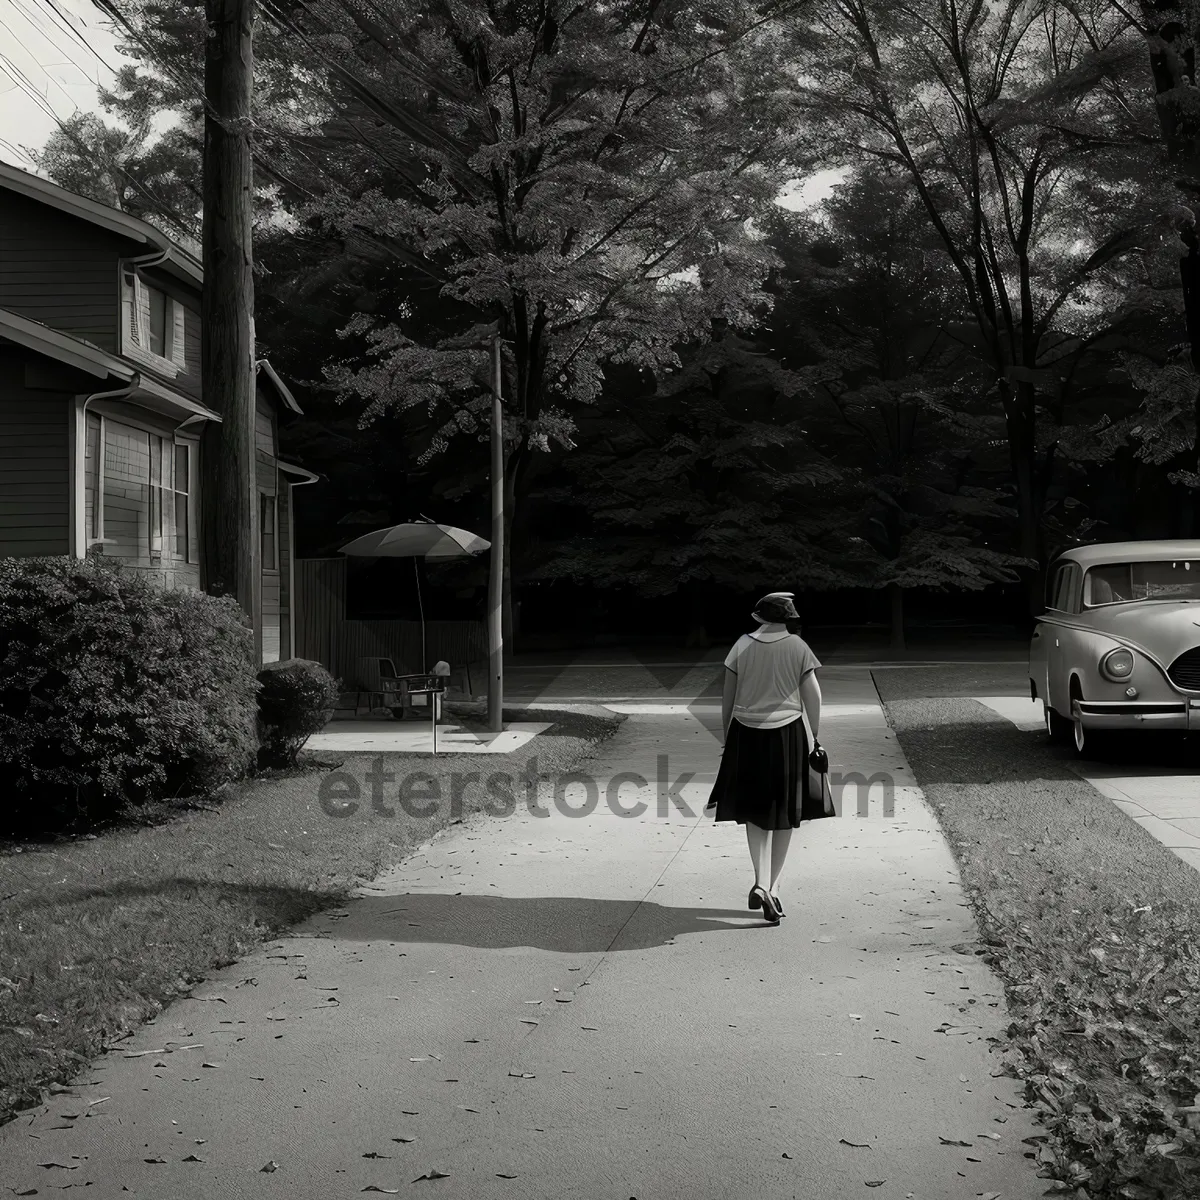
x,y
421,610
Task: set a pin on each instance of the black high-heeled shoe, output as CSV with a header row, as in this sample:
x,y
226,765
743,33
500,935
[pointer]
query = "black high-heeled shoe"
x,y
753,900
770,912
778,906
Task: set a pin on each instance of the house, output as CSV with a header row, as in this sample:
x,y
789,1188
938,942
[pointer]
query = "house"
x,y
100,401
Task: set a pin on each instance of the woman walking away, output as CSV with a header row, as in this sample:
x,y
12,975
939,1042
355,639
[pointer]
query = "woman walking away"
x,y
770,686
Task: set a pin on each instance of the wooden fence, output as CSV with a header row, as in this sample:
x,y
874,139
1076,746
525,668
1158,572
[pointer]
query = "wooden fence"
x,y
324,633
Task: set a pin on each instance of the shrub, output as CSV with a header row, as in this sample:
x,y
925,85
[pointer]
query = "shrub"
x,y
296,698
114,691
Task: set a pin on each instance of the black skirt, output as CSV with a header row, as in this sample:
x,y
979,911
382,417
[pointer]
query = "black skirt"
x,y
763,777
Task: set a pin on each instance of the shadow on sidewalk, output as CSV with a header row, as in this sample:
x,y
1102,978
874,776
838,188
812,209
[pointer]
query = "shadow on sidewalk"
x,y
567,924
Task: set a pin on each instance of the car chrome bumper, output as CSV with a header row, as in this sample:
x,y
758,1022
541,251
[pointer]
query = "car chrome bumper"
x,y
1138,714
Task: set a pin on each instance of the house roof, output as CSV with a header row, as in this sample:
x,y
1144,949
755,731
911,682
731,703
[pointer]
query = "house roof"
x,y
299,472
91,360
289,401
103,216
1116,552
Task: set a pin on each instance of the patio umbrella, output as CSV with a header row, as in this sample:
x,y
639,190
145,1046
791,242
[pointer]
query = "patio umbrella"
x,y
417,539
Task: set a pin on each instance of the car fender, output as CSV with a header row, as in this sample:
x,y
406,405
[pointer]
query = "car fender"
x,y
1081,652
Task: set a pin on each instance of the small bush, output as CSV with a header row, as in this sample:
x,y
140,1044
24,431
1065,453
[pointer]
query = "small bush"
x,y
114,691
296,698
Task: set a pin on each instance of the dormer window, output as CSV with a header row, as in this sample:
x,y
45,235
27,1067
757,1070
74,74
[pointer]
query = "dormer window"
x,y
153,325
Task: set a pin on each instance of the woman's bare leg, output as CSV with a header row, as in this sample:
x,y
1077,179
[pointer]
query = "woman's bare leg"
x,y
781,839
759,841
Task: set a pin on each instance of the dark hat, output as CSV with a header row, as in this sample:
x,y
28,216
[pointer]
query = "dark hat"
x,y
776,606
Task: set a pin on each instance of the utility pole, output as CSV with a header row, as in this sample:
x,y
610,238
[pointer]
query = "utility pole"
x,y
496,564
229,488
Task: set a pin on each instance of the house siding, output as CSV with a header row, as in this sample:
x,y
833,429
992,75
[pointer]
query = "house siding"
x,y
35,498
60,270
264,424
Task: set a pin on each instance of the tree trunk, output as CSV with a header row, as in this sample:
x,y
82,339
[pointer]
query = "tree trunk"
x,y
228,490
1030,490
896,604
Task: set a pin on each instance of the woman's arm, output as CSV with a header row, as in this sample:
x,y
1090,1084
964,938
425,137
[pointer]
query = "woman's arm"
x,y
810,697
728,694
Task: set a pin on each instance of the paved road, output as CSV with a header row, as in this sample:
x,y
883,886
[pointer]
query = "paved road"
x,y
548,1005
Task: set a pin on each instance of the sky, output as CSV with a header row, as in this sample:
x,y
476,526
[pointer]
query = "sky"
x,y
64,50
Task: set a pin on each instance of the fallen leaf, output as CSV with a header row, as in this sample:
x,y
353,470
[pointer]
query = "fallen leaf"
x,y
143,1053
521,1075
855,1016
466,1109
963,1079
874,1182
373,1154
432,1173
64,1167
386,1191
213,1066
857,1145
154,1160
528,1021
92,1103
403,1139
25,1192
786,1154
269,1167
952,1142
193,1158
501,1175
994,1136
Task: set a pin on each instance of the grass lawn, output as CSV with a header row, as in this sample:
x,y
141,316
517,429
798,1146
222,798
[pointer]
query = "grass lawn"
x,y
99,931
1091,923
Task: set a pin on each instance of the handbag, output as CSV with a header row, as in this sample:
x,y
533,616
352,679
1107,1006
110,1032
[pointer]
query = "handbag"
x,y
818,771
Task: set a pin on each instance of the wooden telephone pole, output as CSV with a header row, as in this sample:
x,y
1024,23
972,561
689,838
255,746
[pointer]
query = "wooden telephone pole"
x,y
229,490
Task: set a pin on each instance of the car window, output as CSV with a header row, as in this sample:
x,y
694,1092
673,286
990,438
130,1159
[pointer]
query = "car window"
x,y
1055,591
1069,600
1121,583
1061,600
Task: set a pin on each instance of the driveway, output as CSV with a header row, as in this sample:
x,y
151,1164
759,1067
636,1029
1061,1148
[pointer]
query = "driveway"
x,y
551,1004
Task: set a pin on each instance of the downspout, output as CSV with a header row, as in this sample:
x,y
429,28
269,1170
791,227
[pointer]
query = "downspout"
x,y
78,451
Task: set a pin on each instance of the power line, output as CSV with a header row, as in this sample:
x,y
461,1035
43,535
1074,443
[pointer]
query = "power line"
x,y
164,209
60,20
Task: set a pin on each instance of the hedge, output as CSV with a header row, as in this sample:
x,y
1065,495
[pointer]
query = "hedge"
x,y
114,691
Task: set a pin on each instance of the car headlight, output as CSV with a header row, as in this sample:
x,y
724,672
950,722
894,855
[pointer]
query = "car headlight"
x,y
1117,665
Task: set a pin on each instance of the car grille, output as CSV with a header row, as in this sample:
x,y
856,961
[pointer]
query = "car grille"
x,y
1185,670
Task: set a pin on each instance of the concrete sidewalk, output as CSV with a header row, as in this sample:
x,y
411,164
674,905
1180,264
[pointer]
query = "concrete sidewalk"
x,y
546,1005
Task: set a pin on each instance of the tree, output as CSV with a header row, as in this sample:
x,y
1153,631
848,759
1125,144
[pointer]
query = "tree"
x,y
706,480
584,177
154,178
866,294
1021,131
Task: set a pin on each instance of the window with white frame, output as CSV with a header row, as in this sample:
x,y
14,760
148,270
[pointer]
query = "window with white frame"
x,y
268,531
140,495
153,325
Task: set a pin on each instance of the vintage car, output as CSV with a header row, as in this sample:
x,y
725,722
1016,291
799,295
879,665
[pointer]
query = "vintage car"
x,y
1118,647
